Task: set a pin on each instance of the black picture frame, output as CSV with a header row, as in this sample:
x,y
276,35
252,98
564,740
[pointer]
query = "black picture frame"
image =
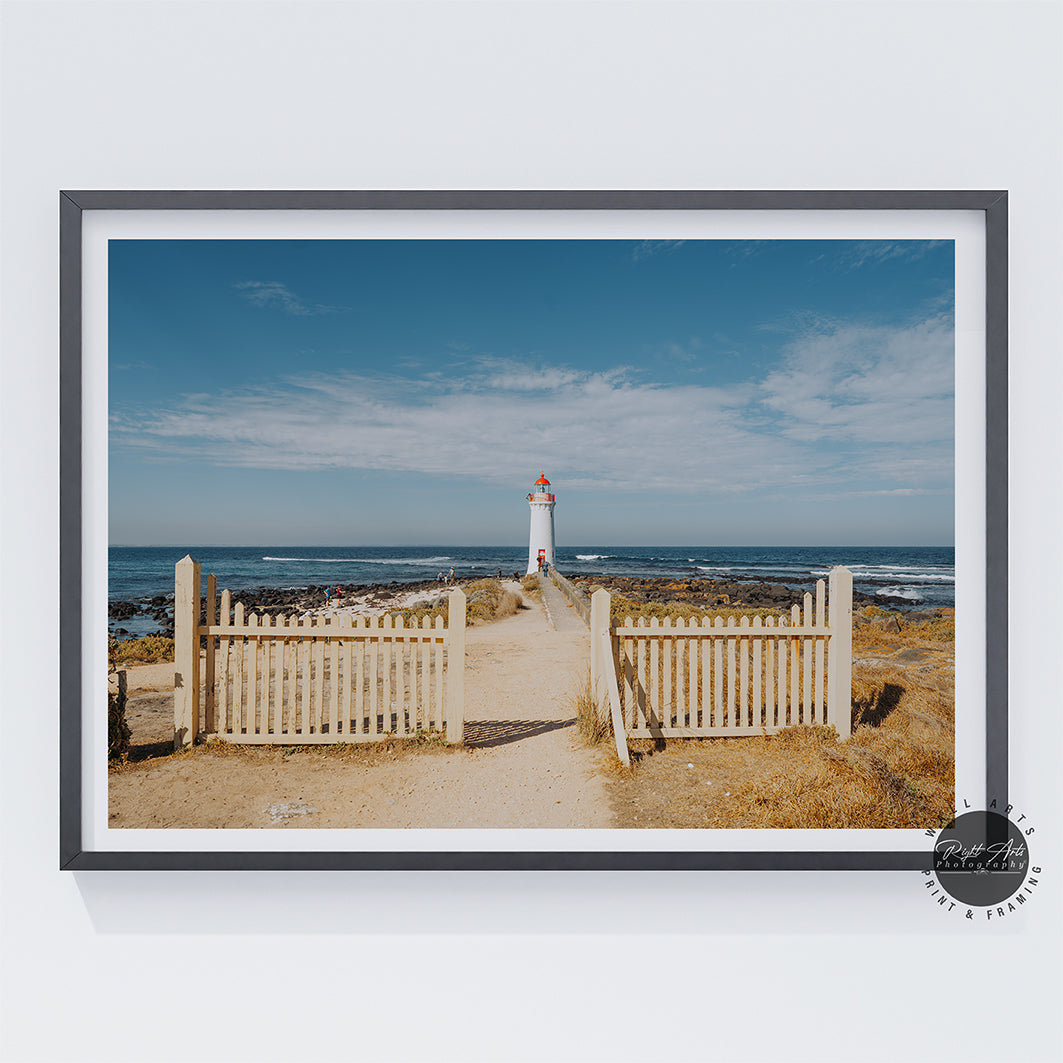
x,y
73,205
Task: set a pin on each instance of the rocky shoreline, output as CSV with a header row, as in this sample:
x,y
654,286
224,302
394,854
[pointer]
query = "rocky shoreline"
x,y
711,593
702,593
267,600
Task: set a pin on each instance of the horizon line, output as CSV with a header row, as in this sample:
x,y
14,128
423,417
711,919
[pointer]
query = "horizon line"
x,y
520,546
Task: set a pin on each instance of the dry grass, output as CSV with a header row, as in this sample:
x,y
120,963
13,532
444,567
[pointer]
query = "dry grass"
x,y
385,750
530,585
938,629
118,733
152,649
896,770
486,601
591,724
621,608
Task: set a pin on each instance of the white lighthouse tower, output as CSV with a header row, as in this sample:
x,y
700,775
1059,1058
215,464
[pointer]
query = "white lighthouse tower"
x,y
541,537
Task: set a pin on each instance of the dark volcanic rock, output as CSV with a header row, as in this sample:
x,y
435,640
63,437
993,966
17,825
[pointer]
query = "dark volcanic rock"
x,y
285,600
709,593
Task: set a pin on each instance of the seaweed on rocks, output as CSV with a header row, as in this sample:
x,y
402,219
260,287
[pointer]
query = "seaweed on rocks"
x,y
710,593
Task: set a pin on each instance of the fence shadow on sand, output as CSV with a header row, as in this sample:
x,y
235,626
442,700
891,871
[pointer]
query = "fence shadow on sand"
x,y
483,734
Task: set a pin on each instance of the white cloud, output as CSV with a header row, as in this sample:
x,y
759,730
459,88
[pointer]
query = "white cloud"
x,y
497,374
875,251
866,384
275,294
600,430
649,248
867,407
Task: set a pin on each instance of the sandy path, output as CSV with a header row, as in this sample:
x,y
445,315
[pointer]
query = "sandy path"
x,y
559,611
523,764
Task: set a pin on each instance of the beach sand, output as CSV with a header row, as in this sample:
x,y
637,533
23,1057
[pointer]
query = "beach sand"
x,y
523,764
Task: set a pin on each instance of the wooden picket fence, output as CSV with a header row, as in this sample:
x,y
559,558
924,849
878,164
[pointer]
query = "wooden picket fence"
x,y
258,680
688,678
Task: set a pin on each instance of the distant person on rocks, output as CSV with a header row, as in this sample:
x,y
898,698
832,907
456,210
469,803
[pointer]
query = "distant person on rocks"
x,y
499,573
516,576
450,578
441,578
328,595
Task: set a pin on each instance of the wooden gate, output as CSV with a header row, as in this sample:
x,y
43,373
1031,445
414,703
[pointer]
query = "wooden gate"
x,y
261,680
692,678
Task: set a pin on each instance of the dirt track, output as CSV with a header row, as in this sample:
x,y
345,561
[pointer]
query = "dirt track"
x,y
523,764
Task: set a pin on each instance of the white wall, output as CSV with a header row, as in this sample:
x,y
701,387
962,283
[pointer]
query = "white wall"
x,y
513,95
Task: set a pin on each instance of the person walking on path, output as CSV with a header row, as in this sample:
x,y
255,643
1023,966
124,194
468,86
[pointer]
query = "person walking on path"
x,y
450,577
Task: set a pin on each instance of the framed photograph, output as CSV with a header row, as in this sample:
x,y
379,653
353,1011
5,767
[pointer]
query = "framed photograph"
x,y
485,530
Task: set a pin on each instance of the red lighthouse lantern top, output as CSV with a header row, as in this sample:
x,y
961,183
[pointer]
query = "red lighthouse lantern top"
x,y
542,490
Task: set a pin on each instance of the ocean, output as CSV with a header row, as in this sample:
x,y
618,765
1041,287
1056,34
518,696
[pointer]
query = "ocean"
x,y
923,575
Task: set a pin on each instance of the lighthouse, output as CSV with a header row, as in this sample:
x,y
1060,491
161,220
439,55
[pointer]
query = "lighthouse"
x,y
541,536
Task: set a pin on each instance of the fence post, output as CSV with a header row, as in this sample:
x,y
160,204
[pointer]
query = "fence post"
x,y
186,652
840,651
210,611
456,666
600,605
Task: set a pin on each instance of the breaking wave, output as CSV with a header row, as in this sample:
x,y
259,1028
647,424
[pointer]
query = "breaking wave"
x,y
365,560
900,592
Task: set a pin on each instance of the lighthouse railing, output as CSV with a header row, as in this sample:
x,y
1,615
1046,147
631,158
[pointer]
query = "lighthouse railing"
x,y
578,599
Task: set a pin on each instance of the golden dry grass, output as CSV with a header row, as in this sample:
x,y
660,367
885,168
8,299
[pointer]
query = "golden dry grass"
x,y
530,585
591,724
152,649
386,749
896,770
486,601
620,608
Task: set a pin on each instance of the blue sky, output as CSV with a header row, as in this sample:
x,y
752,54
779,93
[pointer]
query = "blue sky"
x,y
394,392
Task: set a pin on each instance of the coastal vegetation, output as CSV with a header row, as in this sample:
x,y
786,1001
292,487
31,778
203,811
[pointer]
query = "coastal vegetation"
x,y
151,649
487,600
389,749
118,733
896,771
591,724
621,608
